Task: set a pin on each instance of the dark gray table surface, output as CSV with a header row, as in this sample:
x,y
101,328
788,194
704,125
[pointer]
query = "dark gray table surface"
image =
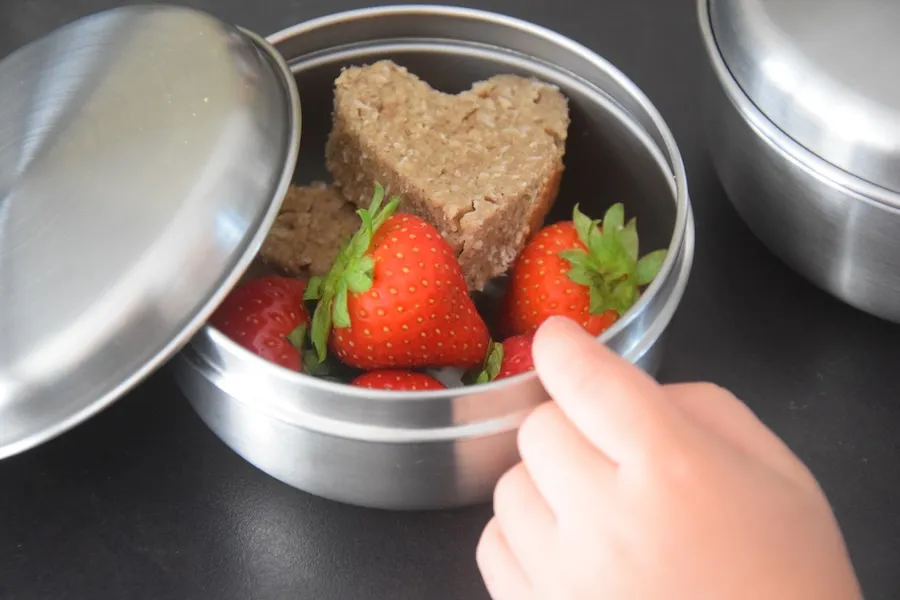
x,y
143,502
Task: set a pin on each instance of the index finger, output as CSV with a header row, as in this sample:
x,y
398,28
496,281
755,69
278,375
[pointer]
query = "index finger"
x,y
620,409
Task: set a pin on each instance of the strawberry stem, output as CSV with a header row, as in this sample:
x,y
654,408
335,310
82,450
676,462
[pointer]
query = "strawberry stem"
x,y
308,358
313,366
493,360
351,273
297,337
610,266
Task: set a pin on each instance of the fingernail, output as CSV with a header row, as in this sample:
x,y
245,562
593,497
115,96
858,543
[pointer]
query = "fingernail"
x,y
558,326
563,322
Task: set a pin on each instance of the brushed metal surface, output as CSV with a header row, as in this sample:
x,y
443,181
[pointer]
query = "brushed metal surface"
x,y
823,71
838,231
443,449
142,152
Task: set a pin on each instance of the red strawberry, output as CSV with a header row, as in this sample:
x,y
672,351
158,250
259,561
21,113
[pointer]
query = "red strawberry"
x,y
508,359
396,298
579,270
401,381
267,317
516,357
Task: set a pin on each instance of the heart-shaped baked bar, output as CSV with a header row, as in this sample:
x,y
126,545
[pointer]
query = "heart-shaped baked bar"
x,y
482,166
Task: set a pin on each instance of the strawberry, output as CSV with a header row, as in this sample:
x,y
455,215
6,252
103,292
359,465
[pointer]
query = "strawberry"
x,y
401,381
507,359
267,317
396,298
580,270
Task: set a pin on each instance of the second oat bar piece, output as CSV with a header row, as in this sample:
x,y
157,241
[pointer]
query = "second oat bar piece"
x,y
312,224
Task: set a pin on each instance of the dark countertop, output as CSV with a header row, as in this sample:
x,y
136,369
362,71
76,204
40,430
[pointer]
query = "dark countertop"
x,y
143,502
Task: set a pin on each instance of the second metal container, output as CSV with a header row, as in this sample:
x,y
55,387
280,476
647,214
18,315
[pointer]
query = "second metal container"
x,y
444,449
804,122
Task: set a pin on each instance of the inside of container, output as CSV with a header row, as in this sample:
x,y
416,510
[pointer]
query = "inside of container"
x,y
606,162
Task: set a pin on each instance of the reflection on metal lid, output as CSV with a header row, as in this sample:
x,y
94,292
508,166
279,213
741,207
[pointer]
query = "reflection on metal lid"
x,y
825,72
144,152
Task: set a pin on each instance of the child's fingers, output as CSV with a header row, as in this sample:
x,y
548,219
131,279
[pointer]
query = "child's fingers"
x,y
502,574
618,407
524,517
568,470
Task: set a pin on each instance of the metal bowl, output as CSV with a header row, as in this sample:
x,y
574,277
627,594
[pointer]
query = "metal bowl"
x,y
432,450
838,230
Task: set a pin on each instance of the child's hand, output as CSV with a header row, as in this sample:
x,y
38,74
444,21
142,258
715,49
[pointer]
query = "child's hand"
x,y
629,490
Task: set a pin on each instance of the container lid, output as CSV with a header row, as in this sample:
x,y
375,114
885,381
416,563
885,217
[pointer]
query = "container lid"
x,y
144,152
823,71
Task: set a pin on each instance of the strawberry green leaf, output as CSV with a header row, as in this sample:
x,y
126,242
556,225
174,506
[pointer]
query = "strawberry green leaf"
x,y
611,259
596,240
366,218
377,199
385,214
344,249
583,225
321,328
372,218
313,288
312,365
581,276
624,295
366,264
600,301
576,258
600,247
343,255
359,243
298,336
649,266
309,358
492,363
340,315
610,269
358,281
628,237
614,219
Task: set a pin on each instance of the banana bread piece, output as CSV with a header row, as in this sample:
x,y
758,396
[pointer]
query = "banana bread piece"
x,y
307,234
483,166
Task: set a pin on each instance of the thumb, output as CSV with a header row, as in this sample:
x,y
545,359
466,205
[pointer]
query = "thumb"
x,y
615,405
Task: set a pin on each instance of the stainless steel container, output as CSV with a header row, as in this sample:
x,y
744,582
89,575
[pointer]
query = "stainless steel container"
x,y
444,449
804,122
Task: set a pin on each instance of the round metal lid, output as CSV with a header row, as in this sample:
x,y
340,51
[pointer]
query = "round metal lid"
x,y
824,72
144,152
